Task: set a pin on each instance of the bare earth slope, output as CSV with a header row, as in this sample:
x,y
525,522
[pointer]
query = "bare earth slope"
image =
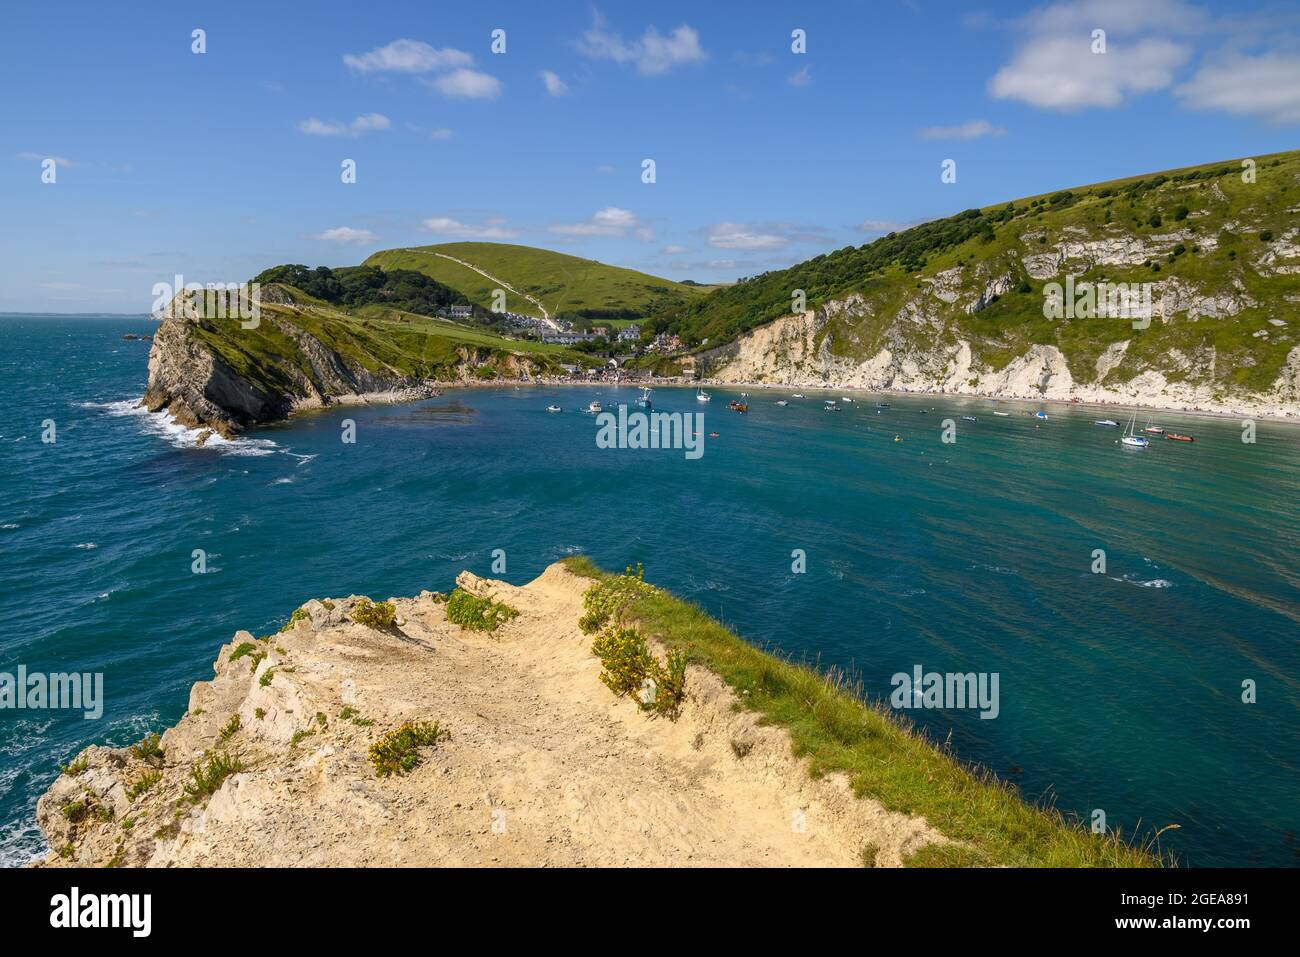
x,y
544,766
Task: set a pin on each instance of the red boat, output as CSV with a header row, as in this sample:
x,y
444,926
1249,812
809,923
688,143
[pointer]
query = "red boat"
x,y
735,406
1179,438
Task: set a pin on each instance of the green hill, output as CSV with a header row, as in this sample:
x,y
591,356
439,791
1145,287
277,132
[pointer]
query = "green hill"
x,y
540,279
958,303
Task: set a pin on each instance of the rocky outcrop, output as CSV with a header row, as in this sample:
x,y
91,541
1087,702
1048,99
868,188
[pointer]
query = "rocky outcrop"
x,y
538,764
214,374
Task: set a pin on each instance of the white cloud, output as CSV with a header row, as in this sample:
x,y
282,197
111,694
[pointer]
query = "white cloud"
x,y
742,236
654,54
346,234
468,85
441,133
674,250
554,85
1265,86
362,124
610,221
407,56
802,78
492,229
1116,17
41,157
1062,72
970,130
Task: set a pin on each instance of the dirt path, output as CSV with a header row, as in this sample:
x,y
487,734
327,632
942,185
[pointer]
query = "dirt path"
x,y
544,765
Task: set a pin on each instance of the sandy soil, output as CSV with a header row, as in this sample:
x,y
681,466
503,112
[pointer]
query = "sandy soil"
x,y
544,766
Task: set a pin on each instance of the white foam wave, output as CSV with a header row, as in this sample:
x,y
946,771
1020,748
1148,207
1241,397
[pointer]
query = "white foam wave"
x,y
164,426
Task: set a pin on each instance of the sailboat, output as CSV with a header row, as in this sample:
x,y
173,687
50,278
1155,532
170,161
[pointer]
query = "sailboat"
x,y
702,396
1131,439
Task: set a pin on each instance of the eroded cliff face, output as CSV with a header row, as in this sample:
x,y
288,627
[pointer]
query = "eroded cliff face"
x,y
925,343
216,374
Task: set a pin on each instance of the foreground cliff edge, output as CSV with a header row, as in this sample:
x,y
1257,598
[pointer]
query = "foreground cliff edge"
x,y
483,731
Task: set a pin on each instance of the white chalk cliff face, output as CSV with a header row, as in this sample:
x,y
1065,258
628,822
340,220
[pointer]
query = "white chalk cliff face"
x,y
927,343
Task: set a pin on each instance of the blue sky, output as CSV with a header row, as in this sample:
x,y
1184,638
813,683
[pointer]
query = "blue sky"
x,y
219,164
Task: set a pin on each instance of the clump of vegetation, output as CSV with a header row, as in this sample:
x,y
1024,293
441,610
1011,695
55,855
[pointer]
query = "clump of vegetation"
x,y
231,726
147,749
374,614
74,812
267,677
609,598
299,735
243,650
347,712
399,751
299,614
630,668
206,778
143,783
477,614
76,767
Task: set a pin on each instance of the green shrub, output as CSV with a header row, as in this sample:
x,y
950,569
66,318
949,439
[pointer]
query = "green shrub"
x,y
299,614
230,728
244,649
206,778
628,664
398,751
147,747
605,601
143,783
374,614
1266,236
76,767
477,614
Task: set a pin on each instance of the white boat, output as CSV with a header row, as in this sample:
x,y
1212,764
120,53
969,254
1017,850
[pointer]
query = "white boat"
x,y
552,408
593,407
643,399
968,418
702,396
1131,439
797,395
782,402
1107,423
845,398
1004,414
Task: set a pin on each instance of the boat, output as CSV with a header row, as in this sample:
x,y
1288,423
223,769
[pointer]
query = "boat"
x,y
797,395
714,435
702,396
736,406
831,408
782,402
1131,439
1108,423
552,408
594,406
643,399
1154,429
968,418
898,438
1003,414
1179,438
845,398
882,405
1040,415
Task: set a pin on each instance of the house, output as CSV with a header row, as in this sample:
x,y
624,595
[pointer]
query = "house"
x,y
458,311
630,333
600,331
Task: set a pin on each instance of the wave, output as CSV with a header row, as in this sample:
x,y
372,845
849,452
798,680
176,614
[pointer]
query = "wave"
x,y
1148,583
182,437
87,545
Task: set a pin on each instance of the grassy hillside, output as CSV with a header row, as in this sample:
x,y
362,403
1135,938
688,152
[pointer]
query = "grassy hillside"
x,y
564,285
383,340
1201,235
884,758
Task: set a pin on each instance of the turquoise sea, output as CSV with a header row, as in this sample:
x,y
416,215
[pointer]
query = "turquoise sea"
x,y
1119,691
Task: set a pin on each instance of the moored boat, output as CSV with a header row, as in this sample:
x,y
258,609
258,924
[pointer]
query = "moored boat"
x,y
736,406
1176,437
552,408
594,406
1131,439
1107,423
